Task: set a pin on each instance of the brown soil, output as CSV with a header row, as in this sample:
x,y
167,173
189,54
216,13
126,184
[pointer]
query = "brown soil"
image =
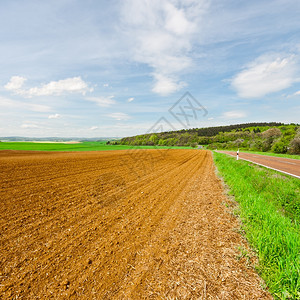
x,y
119,225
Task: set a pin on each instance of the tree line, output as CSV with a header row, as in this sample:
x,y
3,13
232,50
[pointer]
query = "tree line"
x,y
272,136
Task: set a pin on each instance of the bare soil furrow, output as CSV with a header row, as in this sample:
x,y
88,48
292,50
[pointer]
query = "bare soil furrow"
x,y
119,225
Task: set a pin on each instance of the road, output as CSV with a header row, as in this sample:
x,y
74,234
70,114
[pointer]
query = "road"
x,y
285,165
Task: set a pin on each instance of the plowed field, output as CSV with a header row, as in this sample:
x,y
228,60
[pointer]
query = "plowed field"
x,y
119,225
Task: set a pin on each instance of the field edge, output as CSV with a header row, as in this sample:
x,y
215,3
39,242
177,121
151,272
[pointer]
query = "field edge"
x,y
262,224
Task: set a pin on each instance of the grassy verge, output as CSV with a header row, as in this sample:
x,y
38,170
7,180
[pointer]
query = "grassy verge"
x,y
85,146
269,208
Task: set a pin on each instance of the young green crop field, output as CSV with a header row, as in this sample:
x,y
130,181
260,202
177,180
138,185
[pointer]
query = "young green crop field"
x,y
269,210
84,146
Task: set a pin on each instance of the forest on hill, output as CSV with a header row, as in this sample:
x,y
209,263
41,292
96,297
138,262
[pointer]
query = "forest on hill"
x,y
272,136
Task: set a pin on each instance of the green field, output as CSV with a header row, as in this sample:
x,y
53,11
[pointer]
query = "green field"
x,y
84,146
269,209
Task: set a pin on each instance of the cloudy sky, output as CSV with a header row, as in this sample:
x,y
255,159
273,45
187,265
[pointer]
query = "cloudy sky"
x,y
74,68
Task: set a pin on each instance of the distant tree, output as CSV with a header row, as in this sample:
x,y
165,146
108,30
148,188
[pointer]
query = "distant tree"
x,y
254,136
161,142
294,146
257,145
272,133
153,139
268,138
238,142
279,147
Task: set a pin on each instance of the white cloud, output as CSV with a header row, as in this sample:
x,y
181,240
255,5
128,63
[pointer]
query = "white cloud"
x,y
267,74
105,85
292,95
176,20
26,126
119,116
162,32
130,99
94,127
37,107
9,103
15,83
234,114
102,101
166,85
55,116
53,88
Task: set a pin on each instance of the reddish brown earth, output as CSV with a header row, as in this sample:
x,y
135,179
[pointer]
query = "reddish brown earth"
x,y
291,166
119,225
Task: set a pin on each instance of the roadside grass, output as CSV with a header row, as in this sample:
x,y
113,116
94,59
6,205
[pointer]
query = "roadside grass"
x,y
269,209
84,146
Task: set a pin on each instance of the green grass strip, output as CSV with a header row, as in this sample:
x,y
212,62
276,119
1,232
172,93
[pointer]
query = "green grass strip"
x,y
85,146
269,210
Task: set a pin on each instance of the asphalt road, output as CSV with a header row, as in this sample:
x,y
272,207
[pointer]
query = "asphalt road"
x,y
285,165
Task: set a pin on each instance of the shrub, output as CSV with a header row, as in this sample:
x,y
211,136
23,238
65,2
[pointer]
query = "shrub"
x,y
272,133
279,147
295,146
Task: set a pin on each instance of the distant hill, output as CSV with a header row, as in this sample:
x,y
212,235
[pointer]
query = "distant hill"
x,y
211,131
271,136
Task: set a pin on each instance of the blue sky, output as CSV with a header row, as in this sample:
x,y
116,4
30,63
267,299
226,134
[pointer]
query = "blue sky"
x,y
114,68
